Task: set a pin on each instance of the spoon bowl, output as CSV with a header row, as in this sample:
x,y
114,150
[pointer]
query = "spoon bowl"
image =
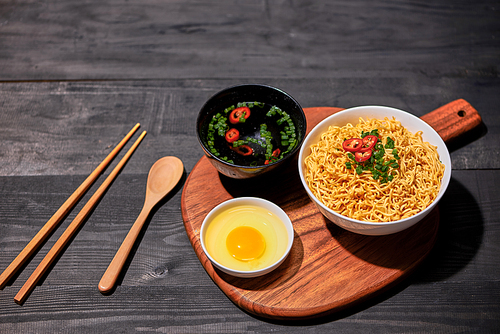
x,y
162,178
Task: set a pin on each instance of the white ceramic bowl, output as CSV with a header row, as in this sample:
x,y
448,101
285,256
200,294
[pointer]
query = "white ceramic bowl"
x,y
352,115
273,208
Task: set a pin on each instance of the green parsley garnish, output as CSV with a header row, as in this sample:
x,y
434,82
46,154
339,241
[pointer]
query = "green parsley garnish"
x,y
380,164
218,126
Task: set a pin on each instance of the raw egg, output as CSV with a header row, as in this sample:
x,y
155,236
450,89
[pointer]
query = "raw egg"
x,y
245,243
244,236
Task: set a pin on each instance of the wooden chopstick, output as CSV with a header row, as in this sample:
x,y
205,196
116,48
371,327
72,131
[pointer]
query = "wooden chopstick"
x,y
28,287
38,239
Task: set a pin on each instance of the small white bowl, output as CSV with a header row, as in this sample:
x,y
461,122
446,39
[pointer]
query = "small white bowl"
x,y
273,208
352,115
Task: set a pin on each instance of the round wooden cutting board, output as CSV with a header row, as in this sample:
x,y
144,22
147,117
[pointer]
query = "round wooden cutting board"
x,y
328,269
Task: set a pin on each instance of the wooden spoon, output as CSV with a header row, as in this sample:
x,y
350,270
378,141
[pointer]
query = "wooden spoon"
x,y
162,178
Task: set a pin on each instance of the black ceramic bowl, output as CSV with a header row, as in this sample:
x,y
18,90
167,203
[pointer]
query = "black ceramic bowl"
x,y
285,126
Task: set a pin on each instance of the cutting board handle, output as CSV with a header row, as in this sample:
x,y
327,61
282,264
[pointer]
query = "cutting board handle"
x,y
453,119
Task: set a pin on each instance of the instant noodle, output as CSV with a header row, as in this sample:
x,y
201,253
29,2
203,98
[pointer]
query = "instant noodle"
x,y
401,177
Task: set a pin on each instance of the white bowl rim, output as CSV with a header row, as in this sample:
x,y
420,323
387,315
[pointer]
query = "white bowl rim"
x,y
426,127
255,201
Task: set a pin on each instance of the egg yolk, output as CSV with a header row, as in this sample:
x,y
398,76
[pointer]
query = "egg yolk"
x,y
245,243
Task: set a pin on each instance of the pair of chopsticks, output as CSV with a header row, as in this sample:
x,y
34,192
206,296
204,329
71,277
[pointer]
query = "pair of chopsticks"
x,y
52,223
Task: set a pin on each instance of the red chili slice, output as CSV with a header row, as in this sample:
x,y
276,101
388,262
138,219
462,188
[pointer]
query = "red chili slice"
x,y
243,150
361,156
236,115
352,145
368,142
232,135
276,153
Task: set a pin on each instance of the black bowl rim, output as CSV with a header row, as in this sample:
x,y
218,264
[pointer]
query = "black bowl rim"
x,y
290,154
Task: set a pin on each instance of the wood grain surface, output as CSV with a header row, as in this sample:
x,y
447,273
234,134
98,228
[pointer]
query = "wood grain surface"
x,y
328,269
135,39
76,76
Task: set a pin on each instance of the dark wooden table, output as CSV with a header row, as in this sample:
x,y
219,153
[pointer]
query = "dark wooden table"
x,y
76,76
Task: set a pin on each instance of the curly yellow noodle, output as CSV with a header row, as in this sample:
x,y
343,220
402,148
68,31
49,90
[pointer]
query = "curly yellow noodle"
x,y
415,185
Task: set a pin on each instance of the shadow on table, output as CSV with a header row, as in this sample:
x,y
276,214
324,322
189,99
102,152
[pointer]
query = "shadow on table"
x,y
460,235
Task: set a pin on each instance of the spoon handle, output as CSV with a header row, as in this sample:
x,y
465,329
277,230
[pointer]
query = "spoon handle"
x,y
109,278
